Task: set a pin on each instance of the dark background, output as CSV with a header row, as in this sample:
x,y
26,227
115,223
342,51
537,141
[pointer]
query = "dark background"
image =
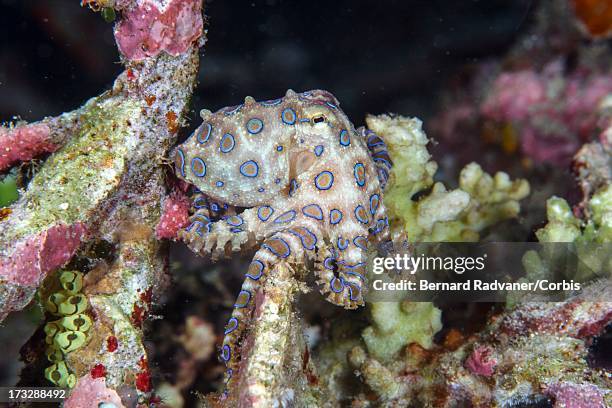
x,y
375,56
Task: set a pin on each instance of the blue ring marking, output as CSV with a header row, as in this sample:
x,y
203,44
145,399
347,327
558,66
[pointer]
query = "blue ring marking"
x,y
288,116
293,187
202,173
344,137
331,284
361,242
359,180
374,141
277,181
284,243
215,207
342,243
313,211
182,166
331,105
261,189
279,148
232,141
357,275
234,221
236,230
232,324
303,238
196,204
318,150
200,131
385,162
327,263
200,225
335,216
219,183
359,218
226,353
383,175
374,203
246,302
261,270
323,186
305,120
350,285
260,211
307,93
244,171
285,217
254,126
271,102
236,109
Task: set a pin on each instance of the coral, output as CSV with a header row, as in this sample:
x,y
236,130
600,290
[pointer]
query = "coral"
x,y
91,391
104,183
440,215
571,395
395,325
23,143
174,217
553,112
151,27
481,362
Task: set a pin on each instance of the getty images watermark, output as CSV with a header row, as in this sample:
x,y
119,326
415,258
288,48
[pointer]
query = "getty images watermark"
x,y
484,272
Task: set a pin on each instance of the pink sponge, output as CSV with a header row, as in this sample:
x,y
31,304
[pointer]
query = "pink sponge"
x,y
24,143
146,30
174,217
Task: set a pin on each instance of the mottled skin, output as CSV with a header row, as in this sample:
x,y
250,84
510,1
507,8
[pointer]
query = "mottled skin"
x,y
311,185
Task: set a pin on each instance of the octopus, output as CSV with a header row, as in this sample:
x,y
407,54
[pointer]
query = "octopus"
x,y
294,181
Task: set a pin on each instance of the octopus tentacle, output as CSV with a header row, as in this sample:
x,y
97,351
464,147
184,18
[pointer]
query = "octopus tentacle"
x,y
342,277
379,153
280,247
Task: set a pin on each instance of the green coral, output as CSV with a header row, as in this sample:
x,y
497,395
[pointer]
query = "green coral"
x,y
62,190
480,201
396,324
590,240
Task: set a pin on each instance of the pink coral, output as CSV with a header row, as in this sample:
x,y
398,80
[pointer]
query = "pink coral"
x,y
24,143
90,392
40,254
480,361
571,395
174,217
513,95
553,114
146,30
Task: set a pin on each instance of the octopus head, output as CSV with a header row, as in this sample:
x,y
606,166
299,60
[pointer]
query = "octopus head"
x,y
246,155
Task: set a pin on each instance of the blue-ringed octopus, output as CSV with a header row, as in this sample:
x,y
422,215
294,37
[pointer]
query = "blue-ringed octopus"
x,y
293,179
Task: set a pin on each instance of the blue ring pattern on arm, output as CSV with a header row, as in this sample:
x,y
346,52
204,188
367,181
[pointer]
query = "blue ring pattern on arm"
x,y
261,267
182,165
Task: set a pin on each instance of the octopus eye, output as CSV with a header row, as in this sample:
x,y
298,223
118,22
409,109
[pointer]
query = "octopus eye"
x,y
318,119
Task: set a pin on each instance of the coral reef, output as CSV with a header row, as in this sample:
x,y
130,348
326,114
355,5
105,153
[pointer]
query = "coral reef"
x,y
104,186
86,236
